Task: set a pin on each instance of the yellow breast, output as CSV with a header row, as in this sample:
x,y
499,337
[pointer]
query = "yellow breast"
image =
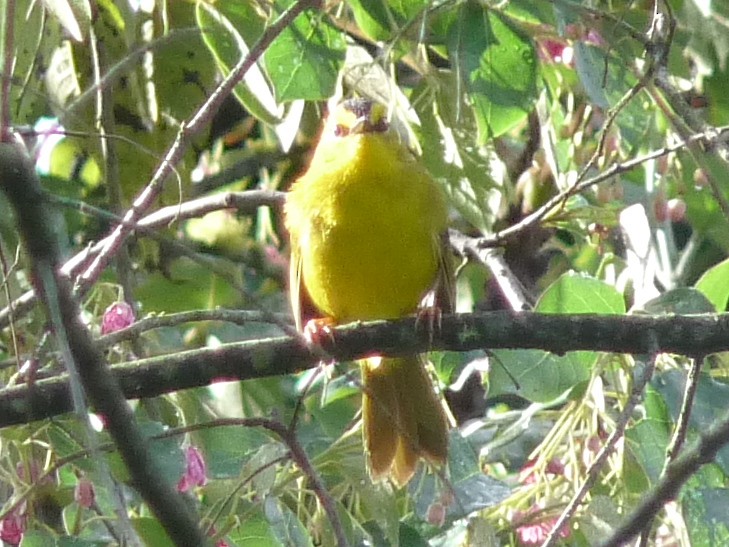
x,y
365,221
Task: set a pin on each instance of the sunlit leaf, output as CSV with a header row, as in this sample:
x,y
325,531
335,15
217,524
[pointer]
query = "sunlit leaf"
x,y
496,66
714,284
304,60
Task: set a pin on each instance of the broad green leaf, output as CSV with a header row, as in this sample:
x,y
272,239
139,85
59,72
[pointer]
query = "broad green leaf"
x,y
223,31
254,531
34,40
497,67
67,541
705,216
187,285
303,62
602,515
473,490
590,63
150,531
714,284
464,171
38,538
684,300
284,524
379,513
74,16
541,376
382,20
338,410
166,451
647,440
709,404
715,86
706,515
410,536
226,448
578,293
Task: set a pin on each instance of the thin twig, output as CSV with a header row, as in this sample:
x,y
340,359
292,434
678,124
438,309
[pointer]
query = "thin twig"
x,y
299,457
677,473
246,202
601,458
82,359
187,131
238,317
710,136
679,434
8,51
680,431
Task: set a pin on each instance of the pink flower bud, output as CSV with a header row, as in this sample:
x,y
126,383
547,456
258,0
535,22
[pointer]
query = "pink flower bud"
x,y
84,493
676,209
13,526
534,531
436,514
195,470
116,317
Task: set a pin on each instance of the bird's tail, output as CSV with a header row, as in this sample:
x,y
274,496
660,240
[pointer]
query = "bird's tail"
x,y
403,417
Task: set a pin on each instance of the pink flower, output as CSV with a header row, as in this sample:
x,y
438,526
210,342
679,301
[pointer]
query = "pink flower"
x,y
556,51
220,542
116,317
436,514
13,526
535,532
527,475
195,470
84,493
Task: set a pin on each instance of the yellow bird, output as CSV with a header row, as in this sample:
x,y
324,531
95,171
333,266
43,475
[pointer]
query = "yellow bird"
x,y
366,223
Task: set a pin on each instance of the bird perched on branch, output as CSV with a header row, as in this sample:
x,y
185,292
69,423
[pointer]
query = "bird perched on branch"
x,y
366,223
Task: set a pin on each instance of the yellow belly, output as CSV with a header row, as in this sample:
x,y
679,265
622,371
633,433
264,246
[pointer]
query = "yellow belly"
x,y
365,220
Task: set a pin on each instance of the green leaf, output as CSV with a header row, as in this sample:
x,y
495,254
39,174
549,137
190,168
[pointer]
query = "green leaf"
x,y
226,447
709,404
224,26
382,20
647,441
473,490
303,62
285,525
187,285
541,376
67,541
714,285
683,300
33,50
579,293
590,63
74,16
446,129
410,536
150,531
254,531
706,516
37,538
497,67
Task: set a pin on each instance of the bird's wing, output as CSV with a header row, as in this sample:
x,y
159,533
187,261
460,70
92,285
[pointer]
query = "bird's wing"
x,y
445,283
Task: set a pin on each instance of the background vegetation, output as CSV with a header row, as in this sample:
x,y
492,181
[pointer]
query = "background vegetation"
x,y
582,147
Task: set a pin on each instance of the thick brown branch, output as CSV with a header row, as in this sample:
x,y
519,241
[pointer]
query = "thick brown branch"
x,y
687,335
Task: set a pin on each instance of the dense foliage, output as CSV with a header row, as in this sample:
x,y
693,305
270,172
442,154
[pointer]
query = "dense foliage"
x,y
582,148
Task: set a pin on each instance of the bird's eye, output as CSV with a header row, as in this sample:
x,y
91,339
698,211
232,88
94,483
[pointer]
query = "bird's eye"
x,y
341,131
